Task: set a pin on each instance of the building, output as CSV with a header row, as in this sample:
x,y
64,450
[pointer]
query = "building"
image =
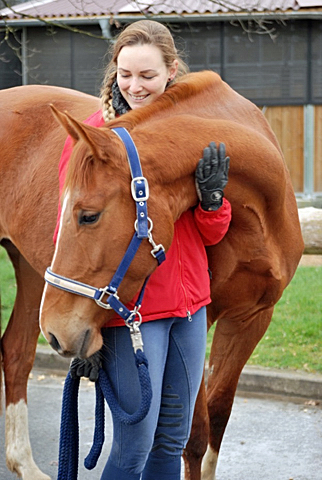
x,y
270,51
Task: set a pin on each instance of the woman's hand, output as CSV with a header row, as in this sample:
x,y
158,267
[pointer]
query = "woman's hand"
x,y
212,176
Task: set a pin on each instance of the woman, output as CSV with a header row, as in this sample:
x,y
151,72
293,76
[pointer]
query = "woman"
x,y
143,65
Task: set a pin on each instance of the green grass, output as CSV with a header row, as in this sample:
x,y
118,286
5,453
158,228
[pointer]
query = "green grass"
x,y
293,339
8,287
8,291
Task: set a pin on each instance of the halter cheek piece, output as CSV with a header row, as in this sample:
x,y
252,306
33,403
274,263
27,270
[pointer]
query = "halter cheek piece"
x,y
143,229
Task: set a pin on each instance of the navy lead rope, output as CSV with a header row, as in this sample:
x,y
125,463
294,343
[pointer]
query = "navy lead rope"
x,y
69,432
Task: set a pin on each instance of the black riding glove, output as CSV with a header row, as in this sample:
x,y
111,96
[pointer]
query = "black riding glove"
x,y
212,176
88,367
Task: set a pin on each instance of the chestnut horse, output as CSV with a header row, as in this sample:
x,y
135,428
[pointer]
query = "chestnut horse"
x,y
251,266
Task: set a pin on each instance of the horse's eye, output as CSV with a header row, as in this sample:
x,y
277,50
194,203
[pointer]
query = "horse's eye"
x,y
88,218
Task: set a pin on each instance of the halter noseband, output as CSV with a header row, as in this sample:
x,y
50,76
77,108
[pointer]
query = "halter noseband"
x,y
143,227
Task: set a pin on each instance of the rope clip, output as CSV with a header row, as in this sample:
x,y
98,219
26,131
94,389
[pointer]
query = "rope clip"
x,y
156,248
134,326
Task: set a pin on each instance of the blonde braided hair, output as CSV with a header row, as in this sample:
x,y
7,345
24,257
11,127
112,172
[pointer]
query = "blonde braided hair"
x,y
141,32
106,99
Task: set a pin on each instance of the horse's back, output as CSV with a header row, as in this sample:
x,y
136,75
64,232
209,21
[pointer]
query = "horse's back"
x,y
25,114
26,110
27,96
31,145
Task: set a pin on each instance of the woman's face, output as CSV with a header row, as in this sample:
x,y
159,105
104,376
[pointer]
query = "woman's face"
x,y
142,74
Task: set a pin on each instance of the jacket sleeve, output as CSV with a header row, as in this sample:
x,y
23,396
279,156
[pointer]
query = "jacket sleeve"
x,y
213,225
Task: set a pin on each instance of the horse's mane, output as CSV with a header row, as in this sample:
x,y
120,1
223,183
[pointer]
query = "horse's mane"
x,y
187,87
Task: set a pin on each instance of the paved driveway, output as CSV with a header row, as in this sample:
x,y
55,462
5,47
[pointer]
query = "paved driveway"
x,y
266,439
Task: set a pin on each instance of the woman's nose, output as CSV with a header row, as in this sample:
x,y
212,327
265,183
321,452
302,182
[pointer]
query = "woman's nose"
x,y
135,85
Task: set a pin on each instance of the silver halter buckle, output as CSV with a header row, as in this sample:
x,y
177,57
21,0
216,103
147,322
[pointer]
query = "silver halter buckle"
x,y
106,292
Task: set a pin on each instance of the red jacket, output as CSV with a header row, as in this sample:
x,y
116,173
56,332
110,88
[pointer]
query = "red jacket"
x,y
180,285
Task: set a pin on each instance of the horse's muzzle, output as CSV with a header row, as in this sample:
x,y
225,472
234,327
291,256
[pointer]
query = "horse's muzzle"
x,y
79,351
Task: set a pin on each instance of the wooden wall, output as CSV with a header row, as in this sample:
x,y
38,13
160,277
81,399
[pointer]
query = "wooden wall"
x,y
288,126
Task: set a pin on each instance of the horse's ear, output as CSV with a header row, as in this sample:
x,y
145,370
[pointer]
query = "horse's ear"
x,y
93,136
63,119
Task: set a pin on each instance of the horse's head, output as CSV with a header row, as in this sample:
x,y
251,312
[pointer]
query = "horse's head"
x,y
96,227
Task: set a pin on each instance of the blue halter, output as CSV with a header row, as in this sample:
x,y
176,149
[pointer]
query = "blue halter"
x,y
68,448
143,229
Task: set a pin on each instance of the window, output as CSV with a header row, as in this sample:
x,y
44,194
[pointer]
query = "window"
x,y
10,65
267,71
202,45
316,77
284,71
66,59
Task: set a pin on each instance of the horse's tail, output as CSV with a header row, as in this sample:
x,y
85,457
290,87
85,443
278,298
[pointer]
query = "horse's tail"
x,y
1,363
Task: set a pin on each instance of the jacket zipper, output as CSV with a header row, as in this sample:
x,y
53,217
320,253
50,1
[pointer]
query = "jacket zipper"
x,y
182,284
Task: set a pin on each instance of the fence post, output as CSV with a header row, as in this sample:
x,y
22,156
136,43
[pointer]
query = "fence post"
x,y
309,150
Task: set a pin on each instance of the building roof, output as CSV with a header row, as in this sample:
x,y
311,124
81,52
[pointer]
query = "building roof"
x,y
68,9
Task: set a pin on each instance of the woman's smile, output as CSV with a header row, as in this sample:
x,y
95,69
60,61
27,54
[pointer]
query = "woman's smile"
x,y
138,98
142,74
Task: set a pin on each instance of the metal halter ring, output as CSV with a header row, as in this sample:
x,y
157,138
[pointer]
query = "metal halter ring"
x,y
130,321
150,226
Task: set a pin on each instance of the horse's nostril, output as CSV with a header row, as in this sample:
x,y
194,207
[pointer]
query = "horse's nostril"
x,y
54,342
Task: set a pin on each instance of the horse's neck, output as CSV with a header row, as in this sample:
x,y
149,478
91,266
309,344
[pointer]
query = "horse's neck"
x,y
169,161
192,92
181,196
204,95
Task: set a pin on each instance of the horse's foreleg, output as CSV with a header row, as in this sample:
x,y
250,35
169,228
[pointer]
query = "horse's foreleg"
x,y
198,440
18,350
233,343
18,359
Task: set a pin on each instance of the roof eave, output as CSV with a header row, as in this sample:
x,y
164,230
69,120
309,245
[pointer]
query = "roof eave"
x,y
129,17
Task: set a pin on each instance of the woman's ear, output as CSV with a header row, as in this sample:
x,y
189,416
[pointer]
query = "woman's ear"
x,y
173,70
